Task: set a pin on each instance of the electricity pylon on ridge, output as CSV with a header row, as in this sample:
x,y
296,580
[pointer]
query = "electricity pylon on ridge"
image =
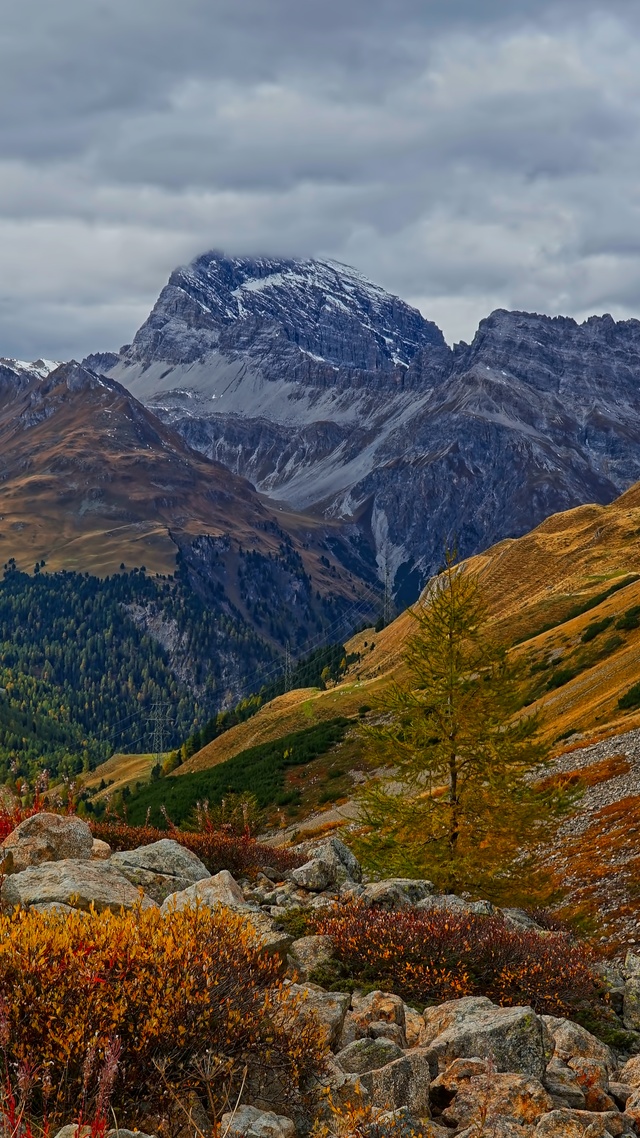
x,y
288,668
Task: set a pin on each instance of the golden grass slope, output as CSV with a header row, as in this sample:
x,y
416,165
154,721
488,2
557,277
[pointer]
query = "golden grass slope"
x,y
528,582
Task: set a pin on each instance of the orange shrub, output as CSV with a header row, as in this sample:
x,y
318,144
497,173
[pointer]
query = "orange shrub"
x,y
433,956
218,849
144,1010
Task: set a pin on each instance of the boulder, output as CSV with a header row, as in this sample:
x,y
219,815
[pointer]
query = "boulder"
x,y
413,1026
221,889
581,1123
122,1133
162,868
367,1055
48,837
395,893
620,1093
593,1078
308,952
79,884
329,1008
341,864
315,875
453,904
381,1029
403,1124
630,1073
249,1122
631,1003
489,1101
100,851
376,1006
511,1037
404,1082
570,1041
563,1086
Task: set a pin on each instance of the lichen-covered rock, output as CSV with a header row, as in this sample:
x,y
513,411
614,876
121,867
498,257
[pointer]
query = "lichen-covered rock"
x,y
511,1037
484,1098
578,1123
48,837
395,893
454,904
571,1041
630,1073
382,1029
367,1055
414,1028
404,1082
329,1008
563,1086
79,884
377,1006
249,1122
593,1078
342,864
631,1003
221,889
309,952
161,868
100,851
315,875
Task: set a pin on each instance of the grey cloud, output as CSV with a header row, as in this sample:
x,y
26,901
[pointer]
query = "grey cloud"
x,y
465,154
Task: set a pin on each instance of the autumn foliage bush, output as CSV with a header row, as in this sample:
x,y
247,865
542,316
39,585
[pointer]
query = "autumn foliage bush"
x,y
432,956
216,848
144,1011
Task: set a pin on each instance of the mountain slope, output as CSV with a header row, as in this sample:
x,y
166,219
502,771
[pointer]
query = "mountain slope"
x,y
92,481
330,394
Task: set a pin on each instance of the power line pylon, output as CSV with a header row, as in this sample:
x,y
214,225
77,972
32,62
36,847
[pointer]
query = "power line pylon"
x,y
159,720
388,607
288,670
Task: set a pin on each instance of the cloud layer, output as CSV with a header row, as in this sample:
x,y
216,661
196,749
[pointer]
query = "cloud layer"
x,y
464,155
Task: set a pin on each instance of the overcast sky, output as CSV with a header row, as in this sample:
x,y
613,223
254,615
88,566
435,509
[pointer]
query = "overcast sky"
x,y
465,154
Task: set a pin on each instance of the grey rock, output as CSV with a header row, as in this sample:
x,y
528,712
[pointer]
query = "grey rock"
x,y
571,1041
380,1029
308,952
631,1003
396,893
223,891
562,1084
330,1008
249,1122
162,868
404,1082
367,1055
314,875
48,837
519,919
122,1133
79,884
511,1037
565,1123
453,904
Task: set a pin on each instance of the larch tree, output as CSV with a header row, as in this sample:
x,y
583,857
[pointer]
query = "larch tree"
x,y
453,803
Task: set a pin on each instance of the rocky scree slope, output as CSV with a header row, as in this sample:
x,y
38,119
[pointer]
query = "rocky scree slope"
x,y
329,393
457,1068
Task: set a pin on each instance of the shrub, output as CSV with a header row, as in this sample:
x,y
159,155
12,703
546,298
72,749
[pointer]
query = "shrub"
x,y
432,956
259,770
629,619
595,628
630,699
216,848
170,1006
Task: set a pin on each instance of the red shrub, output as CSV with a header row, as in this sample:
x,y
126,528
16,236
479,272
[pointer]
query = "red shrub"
x,y
428,957
216,848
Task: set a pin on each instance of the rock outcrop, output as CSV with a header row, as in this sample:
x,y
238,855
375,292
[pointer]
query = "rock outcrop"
x,y
323,389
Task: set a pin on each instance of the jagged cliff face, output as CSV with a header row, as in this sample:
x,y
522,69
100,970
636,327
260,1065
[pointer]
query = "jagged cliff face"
x,y
332,395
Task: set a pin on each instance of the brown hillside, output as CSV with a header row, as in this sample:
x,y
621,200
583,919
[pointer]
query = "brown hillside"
x,y
529,582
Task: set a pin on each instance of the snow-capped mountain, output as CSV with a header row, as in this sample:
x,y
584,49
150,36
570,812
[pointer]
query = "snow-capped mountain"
x,y
331,394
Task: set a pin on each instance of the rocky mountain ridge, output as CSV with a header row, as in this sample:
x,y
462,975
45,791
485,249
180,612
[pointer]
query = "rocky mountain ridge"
x,y
334,396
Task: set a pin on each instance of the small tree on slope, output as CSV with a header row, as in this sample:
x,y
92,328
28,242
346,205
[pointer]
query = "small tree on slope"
x,y
455,805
